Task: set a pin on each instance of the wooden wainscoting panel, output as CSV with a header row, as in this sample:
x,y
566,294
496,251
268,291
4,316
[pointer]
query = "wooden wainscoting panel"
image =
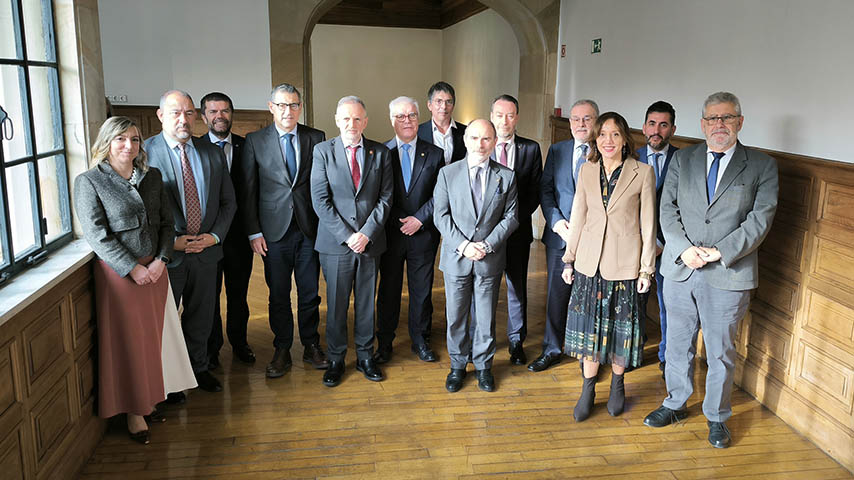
x,y
793,207
43,343
244,121
784,248
10,393
768,346
778,294
834,262
837,205
51,420
824,376
12,464
82,314
830,319
85,371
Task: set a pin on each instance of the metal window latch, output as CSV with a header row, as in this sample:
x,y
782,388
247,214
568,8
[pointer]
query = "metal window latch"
x,y
4,276
7,130
37,258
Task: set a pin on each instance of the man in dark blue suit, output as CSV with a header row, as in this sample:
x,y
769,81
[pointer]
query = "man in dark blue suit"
x,y
658,126
557,189
442,130
411,235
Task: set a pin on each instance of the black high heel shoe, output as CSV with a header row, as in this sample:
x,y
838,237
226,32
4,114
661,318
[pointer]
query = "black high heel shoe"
x,y
156,416
141,436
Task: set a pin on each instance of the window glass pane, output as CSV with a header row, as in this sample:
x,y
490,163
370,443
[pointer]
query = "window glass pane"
x,y
38,26
10,44
13,99
20,185
4,244
53,182
44,88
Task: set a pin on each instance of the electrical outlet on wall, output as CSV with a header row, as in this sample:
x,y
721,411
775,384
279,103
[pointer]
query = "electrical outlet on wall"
x,y
117,98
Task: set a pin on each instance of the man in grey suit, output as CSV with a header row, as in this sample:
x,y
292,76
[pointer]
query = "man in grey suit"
x,y
275,199
717,206
475,211
351,190
196,176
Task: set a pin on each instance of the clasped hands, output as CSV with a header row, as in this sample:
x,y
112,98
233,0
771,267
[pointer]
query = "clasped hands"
x,y
475,251
699,257
194,243
358,242
145,274
568,275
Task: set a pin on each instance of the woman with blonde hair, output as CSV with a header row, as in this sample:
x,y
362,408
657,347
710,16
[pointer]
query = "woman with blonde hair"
x,y
124,212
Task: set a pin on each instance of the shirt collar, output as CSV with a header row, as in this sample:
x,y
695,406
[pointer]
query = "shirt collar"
x,y
663,151
410,143
727,153
361,143
214,139
174,143
282,132
472,165
436,129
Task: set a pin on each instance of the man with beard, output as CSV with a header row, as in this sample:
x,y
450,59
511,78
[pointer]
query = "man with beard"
x,y
717,206
523,157
442,130
275,199
475,211
196,176
236,264
658,126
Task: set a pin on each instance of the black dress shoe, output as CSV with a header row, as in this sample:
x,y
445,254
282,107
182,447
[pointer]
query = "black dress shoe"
x,y
313,354
517,354
370,370
333,374
454,382
382,355
424,353
213,362
208,382
485,380
719,435
280,364
663,416
175,398
544,361
244,353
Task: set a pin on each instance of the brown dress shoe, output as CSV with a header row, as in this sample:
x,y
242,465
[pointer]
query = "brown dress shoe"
x,y
314,355
280,364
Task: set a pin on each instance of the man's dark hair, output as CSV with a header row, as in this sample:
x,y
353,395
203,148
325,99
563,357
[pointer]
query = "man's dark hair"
x,y
215,97
441,87
661,107
507,98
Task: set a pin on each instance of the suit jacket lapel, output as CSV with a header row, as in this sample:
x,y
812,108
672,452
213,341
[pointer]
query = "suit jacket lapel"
x,y
736,165
169,169
366,165
342,164
630,171
273,143
492,183
206,172
697,166
417,166
305,154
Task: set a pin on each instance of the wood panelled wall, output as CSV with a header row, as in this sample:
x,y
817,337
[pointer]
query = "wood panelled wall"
x,y
48,422
245,121
796,344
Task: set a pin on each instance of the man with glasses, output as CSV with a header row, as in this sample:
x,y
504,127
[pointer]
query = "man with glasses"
x,y
412,237
717,206
442,130
557,190
276,207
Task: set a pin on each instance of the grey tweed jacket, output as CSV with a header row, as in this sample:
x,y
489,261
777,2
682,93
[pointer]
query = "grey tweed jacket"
x,y
120,222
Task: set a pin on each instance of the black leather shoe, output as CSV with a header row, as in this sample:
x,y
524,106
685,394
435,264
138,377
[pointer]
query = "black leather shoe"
x,y
370,370
213,362
244,353
175,398
280,364
382,355
544,361
719,435
314,355
424,353
517,354
663,416
454,382
208,382
333,374
485,380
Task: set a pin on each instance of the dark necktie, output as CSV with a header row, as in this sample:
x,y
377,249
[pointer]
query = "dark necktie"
x,y
502,158
712,179
354,166
405,166
656,165
221,144
476,190
191,194
581,160
290,156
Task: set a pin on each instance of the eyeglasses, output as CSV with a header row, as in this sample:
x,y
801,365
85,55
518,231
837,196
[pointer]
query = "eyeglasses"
x,y
440,102
584,119
285,106
401,117
728,119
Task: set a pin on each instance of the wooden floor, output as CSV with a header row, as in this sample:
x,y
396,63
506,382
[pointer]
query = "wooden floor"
x,y
409,427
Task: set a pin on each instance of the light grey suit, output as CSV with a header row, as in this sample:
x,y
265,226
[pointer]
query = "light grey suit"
x,y
716,296
454,216
193,276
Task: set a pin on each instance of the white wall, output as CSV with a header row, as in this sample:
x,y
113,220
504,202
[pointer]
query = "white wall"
x,y
376,64
480,58
790,62
228,44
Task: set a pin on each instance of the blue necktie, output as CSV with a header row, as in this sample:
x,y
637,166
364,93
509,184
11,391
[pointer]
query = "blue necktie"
x,y
657,167
221,144
405,167
581,160
290,156
712,179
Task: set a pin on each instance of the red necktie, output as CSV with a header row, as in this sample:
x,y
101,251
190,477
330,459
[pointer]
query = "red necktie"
x,y
354,166
191,194
503,157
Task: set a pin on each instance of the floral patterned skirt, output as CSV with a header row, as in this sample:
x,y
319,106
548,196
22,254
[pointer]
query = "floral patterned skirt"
x,y
604,321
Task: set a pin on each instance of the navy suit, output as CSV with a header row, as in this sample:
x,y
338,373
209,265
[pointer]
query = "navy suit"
x,y
425,132
557,190
643,156
417,250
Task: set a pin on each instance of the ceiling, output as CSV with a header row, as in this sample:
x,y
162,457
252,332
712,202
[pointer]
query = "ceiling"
x,y
431,14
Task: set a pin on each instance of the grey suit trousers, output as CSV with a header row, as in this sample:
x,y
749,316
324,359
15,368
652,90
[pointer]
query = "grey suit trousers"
x,y
693,304
343,274
479,345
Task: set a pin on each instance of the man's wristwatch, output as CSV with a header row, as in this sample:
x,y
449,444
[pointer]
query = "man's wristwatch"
x,y
164,259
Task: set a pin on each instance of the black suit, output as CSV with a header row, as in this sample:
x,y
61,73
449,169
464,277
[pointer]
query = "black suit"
x,y
417,250
279,207
235,266
425,132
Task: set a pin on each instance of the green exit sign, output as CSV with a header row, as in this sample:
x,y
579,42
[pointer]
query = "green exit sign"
x,y
597,46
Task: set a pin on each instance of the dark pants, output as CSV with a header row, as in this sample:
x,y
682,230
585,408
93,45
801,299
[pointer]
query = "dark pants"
x,y
662,309
516,276
236,268
343,274
293,255
194,283
419,277
557,303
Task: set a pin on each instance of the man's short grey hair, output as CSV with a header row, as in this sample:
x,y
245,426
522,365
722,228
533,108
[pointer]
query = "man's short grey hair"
x,y
284,87
586,101
172,92
722,97
402,99
351,99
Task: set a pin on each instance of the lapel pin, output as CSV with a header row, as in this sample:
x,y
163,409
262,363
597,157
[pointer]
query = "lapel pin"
x,y
370,152
422,154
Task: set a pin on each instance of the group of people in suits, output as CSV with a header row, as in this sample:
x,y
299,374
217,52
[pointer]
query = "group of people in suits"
x,y
362,211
